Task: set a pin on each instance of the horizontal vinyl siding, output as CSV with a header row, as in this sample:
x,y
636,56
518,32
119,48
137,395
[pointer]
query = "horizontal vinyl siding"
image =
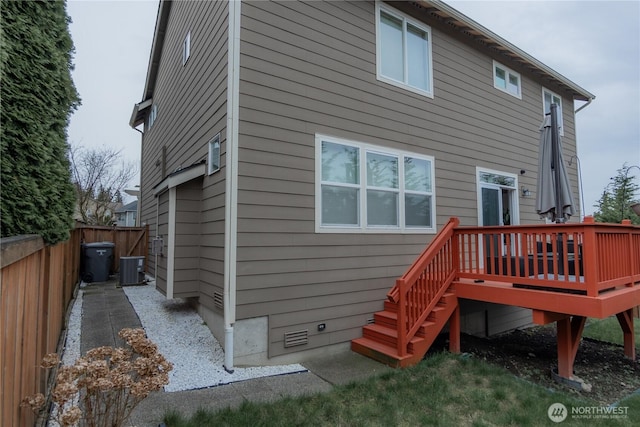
x,y
163,232
187,243
309,67
191,101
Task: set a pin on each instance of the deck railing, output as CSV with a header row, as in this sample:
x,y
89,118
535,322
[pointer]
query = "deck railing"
x,y
585,258
418,291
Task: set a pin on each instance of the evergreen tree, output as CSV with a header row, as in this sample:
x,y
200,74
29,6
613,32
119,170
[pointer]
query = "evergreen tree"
x,y
38,97
617,198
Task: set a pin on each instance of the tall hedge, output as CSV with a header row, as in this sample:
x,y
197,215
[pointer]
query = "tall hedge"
x,y
38,97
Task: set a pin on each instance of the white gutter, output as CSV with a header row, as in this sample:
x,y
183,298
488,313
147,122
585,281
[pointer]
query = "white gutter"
x,y
231,181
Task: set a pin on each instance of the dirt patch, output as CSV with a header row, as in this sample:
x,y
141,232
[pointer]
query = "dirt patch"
x,y
531,354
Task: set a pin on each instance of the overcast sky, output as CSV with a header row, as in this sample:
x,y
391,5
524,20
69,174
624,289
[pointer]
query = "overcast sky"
x,y
596,44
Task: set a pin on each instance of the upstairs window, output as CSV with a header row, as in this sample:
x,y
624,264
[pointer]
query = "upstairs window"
x,y
506,80
153,115
213,163
549,98
364,188
403,53
186,48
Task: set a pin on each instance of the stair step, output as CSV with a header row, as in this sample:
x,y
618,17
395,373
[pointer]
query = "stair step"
x,y
386,318
436,313
425,328
390,306
381,334
378,351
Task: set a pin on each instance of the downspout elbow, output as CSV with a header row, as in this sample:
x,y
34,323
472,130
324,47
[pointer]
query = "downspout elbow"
x,y
584,106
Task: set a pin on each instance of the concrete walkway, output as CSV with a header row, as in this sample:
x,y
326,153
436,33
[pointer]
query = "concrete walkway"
x,y
106,310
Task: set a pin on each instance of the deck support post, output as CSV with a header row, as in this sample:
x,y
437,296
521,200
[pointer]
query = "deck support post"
x,y
625,319
454,330
569,334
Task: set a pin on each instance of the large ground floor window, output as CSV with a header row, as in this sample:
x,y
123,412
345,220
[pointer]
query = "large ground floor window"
x,y
366,188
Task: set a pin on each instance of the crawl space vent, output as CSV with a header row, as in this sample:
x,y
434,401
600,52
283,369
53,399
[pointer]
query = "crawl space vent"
x,y
292,339
218,301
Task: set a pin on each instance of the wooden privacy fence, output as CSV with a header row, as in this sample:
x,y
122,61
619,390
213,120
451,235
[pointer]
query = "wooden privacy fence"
x,y
129,241
36,283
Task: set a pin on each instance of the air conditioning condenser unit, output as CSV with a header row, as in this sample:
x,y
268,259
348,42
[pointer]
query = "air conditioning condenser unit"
x,y
131,270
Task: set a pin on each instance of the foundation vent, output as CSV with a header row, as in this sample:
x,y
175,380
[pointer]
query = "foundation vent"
x,y
218,300
292,339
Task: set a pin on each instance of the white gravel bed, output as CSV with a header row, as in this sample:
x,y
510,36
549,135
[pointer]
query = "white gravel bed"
x,y
71,350
184,339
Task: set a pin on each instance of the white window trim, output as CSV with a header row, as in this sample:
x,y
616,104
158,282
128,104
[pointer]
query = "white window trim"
x,y
544,112
406,19
212,141
508,71
362,211
186,48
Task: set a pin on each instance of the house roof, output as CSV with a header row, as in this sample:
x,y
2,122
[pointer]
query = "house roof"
x,y
456,20
479,34
133,206
137,116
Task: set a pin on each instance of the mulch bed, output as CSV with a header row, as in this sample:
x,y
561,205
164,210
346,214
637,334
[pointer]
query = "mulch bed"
x,y
531,354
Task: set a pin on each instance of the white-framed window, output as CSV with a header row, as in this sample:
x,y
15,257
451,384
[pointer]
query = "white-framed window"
x,y
549,98
365,188
403,51
186,48
153,115
213,159
507,80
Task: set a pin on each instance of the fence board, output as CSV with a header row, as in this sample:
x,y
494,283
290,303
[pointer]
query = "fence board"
x,y
36,286
129,241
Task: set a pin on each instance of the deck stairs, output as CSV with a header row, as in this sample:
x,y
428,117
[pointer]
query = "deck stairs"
x,y
601,261
380,339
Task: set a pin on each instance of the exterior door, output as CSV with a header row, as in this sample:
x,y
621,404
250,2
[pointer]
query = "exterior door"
x,y
497,205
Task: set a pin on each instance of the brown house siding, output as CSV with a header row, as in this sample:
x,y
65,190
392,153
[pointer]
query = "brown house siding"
x,y
187,240
310,68
191,102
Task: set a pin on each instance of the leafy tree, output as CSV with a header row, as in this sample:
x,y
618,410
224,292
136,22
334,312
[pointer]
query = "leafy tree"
x,y
38,97
617,198
99,176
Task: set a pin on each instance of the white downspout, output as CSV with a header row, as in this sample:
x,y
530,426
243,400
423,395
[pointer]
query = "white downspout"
x,y
231,181
171,241
580,188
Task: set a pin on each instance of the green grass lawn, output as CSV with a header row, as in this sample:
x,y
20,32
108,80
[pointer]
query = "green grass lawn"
x,y
609,330
444,390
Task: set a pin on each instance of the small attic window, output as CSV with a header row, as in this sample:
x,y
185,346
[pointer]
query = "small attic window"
x,y
153,114
186,48
214,155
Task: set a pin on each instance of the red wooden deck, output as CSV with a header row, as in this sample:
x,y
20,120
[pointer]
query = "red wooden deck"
x,y
564,273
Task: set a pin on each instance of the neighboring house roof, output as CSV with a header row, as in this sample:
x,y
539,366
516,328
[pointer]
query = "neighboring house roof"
x,y
129,207
455,19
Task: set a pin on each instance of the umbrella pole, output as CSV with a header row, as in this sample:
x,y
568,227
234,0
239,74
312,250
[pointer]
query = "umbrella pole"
x,y
555,157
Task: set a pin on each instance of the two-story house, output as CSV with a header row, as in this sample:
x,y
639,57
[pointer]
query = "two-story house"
x,y
298,155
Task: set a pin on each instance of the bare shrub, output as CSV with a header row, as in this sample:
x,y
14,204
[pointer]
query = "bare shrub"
x,y
102,388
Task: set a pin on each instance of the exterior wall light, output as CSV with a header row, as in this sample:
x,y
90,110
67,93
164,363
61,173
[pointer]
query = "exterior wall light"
x,y
525,192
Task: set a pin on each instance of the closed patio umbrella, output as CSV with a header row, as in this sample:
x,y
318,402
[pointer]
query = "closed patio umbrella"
x,y
554,199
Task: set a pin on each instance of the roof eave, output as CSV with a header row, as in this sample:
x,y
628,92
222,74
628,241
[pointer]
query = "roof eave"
x,y
138,113
483,35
